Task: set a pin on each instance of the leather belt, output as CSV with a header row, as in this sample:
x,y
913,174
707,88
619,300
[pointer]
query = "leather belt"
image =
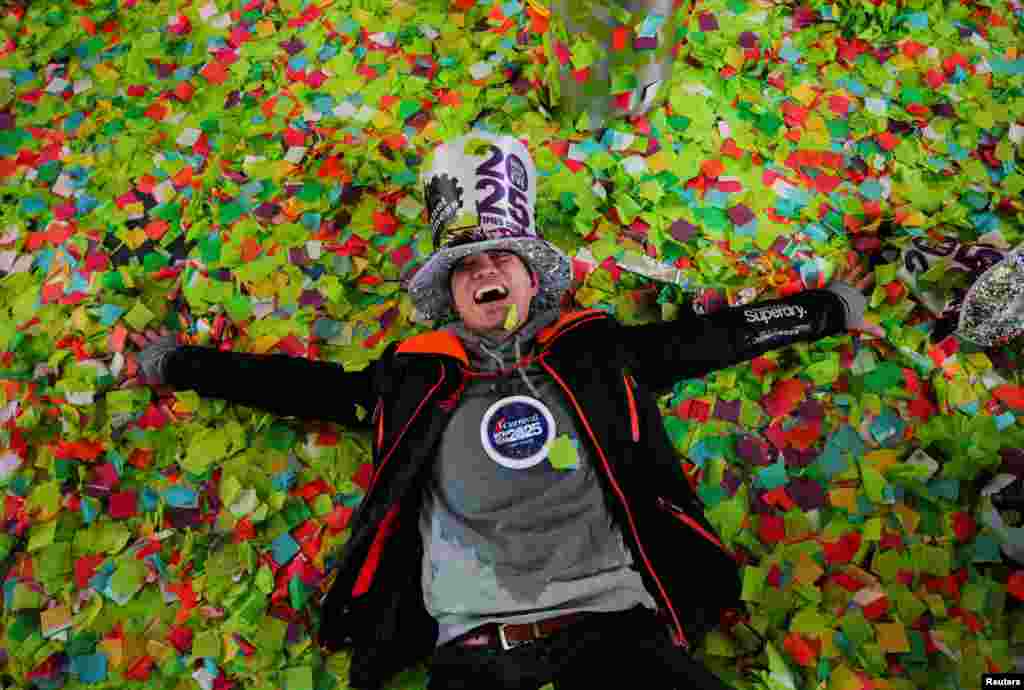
x,y
511,635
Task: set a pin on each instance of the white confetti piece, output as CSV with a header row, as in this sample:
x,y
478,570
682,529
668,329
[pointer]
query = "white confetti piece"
x,y
221,22
164,191
481,70
429,32
724,130
697,88
295,154
83,85
634,165
622,141
383,38
1016,133
189,137
314,248
365,114
346,110
876,106
57,86
80,398
207,11
9,464
62,186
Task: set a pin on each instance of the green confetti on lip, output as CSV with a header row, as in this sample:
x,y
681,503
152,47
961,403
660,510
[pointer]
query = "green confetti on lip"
x,y
512,319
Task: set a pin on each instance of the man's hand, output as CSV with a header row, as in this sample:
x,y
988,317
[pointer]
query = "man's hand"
x,y
146,367
851,282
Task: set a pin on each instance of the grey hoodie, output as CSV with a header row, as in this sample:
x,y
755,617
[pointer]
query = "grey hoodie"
x,y
511,538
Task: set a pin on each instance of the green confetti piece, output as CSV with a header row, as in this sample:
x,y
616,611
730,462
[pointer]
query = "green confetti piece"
x,y
562,454
206,644
139,317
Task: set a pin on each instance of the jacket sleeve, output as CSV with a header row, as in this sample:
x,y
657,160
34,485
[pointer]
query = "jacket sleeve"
x,y
660,354
282,384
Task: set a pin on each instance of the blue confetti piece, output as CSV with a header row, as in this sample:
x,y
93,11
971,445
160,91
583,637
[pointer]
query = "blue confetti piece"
x,y
511,9
298,62
149,500
31,205
181,497
887,426
871,189
90,507
284,480
1001,66
73,121
284,549
986,549
1004,420
652,22
945,488
789,53
772,476
90,668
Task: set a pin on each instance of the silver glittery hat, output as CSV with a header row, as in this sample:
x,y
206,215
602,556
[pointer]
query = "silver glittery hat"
x,y
480,191
993,308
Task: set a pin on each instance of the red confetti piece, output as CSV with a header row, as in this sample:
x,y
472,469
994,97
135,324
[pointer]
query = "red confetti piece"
x,y
762,365
215,72
1010,395
876,609
964,526
784,398
800,650
887,140
363,475
771,529
122,505
620,38
844,550
85,568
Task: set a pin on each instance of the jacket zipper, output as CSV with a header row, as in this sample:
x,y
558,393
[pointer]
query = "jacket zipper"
x,y
622,499
634,419
670,507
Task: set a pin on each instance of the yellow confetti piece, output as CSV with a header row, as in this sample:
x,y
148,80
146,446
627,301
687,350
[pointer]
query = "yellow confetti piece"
x,y
52,621
804,93
844,679
807,571
892,638
114,650
264,344
844,497
512,320
882,459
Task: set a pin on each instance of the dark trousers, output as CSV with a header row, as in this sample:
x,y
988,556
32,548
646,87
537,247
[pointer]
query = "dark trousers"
x,y
603,650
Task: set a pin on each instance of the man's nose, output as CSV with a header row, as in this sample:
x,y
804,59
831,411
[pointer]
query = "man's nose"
x,y
485,266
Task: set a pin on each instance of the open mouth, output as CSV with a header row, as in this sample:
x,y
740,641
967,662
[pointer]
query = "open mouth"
x,y
490,293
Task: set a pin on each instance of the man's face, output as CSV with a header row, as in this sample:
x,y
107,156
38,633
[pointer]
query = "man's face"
x,y
469,280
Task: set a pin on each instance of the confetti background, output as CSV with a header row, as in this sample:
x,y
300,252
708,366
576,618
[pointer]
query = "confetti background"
x,y
246,175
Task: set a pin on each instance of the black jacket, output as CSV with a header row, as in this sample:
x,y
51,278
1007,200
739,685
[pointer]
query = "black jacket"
x,y
610,375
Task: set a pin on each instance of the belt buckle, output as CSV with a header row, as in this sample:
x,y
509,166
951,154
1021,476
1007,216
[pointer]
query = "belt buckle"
x,y
505,644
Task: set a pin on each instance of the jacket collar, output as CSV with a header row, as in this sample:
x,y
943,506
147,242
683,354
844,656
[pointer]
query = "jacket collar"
x,y
440,342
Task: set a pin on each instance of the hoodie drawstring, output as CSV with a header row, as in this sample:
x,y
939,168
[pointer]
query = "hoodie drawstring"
x,y
519,357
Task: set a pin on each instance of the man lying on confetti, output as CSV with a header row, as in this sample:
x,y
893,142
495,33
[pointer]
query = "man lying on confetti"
x,y
528,520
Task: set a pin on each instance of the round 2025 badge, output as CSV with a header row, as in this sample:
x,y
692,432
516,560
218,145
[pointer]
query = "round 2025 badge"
x,y
517,431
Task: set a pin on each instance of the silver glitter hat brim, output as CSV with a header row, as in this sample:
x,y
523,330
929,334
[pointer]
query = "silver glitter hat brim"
x,y
993,308
428,288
